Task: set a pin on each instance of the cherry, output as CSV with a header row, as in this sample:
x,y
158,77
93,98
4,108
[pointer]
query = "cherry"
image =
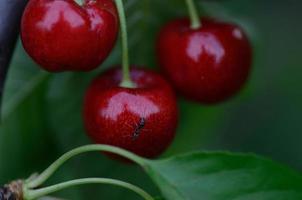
x,y
61,35
208,64
141,119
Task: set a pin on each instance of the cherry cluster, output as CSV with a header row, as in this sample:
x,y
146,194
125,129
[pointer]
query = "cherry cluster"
x,y
204,59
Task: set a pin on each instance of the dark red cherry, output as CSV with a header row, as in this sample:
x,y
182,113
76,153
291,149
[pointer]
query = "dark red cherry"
x,y
142,119
61,35
209,64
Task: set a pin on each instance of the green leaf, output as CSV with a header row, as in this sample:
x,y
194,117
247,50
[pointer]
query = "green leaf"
x,y
224,176
24,77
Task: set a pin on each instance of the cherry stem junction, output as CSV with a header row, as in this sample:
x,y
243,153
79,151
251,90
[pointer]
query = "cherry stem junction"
x,y
40,179
195,20
126,81
30,194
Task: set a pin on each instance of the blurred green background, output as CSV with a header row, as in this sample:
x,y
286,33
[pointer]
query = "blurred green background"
x,y
42,112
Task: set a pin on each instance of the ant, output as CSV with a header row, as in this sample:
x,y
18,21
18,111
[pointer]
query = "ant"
x,y
141,124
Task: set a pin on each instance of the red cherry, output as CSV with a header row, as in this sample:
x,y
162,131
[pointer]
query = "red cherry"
x,y
209,64
142,119
61,35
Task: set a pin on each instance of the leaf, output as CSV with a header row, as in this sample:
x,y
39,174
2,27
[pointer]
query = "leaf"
x,y
50,198
224,176
23,79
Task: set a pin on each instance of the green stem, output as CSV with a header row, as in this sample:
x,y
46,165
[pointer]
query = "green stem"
x,y
195,20
126,82
35,194
79,2
88,148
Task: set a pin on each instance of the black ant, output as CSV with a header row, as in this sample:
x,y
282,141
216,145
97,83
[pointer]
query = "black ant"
x,y
141,124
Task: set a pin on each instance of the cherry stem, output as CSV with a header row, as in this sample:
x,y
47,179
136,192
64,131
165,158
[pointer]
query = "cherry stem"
x,y
195,20
79,2
39,180
126,82
38,193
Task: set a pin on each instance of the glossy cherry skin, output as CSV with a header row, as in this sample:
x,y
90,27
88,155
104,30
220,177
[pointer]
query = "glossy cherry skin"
x,y
142,120
207,65
61,35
